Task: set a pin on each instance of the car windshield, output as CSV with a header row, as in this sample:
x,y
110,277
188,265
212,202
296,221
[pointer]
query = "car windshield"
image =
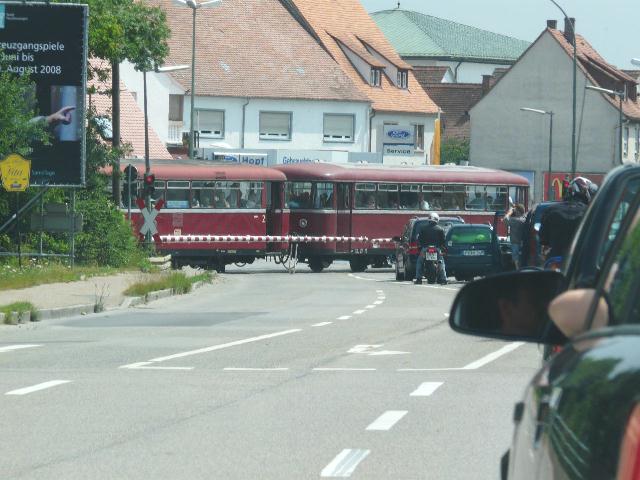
x,y
468,235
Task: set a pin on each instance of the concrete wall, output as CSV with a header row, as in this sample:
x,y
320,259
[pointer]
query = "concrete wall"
x,y
377,127
468,72
503,136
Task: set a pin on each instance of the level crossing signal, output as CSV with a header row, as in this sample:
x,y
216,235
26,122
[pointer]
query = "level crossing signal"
x,y
149,184
130,191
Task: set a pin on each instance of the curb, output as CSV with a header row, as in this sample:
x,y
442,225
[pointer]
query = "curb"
x,y
61,312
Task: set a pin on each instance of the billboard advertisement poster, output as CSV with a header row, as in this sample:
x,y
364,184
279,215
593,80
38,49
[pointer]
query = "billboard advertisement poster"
x,y
557,179
48,42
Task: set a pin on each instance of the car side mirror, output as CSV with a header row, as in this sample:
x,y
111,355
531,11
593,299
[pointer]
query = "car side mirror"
x,y
510,306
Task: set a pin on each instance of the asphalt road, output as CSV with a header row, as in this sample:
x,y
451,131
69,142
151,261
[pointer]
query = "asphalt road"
x,y
262,375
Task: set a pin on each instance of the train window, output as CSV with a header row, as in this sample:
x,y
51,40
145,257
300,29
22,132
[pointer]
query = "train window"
x,y
201,194
432,197
298,195
387,197
476,197
177,194
365,195
226,195
453,197
410,196
497,198
159,190
323,197
251,194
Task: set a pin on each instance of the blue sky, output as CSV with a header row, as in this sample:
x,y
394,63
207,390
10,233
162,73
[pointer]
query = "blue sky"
x,y
613,28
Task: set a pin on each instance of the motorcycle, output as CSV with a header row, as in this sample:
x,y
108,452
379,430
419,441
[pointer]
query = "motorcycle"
x,y
431,264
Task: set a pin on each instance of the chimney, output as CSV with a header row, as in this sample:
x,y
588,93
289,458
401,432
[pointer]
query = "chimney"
x,y
552,24
486,84
569,26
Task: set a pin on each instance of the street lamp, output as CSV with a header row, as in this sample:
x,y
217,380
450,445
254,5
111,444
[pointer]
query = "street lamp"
x,y
193,5
550,113
574,160
621,96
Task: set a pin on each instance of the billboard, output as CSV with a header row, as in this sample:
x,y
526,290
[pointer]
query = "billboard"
x,y
48,42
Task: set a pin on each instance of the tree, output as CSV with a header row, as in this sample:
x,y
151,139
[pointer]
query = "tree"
x,y
126,30
455,150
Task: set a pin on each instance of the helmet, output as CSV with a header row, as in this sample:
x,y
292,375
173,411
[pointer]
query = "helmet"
x,y
433,217
581,189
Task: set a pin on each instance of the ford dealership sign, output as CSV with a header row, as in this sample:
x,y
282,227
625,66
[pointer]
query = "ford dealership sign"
x,y
398,134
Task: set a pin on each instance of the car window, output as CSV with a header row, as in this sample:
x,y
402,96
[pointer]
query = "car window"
x,y
469,235
623,283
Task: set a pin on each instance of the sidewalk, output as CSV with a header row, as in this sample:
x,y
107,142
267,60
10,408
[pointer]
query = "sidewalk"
x,y
54,300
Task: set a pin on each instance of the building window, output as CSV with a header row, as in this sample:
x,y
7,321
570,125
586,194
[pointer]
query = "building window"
x,y
376,77
275,126
176,103
418,134
403,79
210,123
625,142
338,128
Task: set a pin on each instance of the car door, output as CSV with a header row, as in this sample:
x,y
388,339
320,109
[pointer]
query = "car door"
x,y
576,408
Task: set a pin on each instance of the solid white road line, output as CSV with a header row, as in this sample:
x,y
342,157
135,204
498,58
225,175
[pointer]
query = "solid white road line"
x,y
35,388
387,420
243,369
492,356
426,389
10,348
225,345
359,312
344,317
340,369
370,306
321,324
345,463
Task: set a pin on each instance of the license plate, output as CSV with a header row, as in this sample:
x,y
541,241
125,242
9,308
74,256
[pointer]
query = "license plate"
x,y
473,253
431,256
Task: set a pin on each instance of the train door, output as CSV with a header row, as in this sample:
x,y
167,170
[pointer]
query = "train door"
x,y
274,213
343,206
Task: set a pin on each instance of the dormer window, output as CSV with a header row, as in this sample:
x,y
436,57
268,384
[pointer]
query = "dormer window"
x,y
376,77
403,79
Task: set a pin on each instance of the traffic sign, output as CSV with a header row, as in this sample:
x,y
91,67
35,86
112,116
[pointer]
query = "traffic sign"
x,y
15,172
149,226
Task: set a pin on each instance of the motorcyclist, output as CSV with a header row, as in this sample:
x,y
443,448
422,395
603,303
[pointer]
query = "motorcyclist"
x,y
431,234
560,221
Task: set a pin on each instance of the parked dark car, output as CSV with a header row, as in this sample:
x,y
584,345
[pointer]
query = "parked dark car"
x,y
447,222
472,250
580,417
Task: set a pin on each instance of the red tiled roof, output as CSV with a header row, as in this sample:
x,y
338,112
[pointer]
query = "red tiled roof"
x,y
349,21
131,117
253,48
430,74
600,72
455,100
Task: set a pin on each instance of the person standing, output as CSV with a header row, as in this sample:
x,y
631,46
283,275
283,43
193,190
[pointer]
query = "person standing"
x,y
515,220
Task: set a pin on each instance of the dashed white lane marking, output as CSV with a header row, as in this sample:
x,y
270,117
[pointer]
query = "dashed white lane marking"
x,y
10,348
35,388
341,369
344,317
359,312
321,324
369,307
426,389
345,463
379,291
387,420
446,315
378,302
363,348
225,345
145,366
242,369
367,279
492,356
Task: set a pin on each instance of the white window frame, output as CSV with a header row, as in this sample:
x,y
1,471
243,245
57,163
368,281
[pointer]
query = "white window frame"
x,y
274,136
208,133
179,101
376,77
403,79
625,142
329,138
416,129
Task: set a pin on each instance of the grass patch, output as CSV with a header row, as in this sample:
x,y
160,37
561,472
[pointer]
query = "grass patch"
x,y
19,307
34,273
176,281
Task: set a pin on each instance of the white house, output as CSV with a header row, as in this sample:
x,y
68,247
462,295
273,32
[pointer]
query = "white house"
x,y
503,136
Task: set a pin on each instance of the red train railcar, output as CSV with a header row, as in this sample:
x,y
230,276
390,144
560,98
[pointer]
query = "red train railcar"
x,y
350,200
204,199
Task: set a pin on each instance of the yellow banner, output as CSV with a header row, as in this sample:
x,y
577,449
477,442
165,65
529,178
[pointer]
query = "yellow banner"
x,y
15,171
435,144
